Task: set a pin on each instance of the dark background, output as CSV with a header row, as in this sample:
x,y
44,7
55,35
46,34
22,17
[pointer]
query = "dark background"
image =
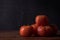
x,y
14,13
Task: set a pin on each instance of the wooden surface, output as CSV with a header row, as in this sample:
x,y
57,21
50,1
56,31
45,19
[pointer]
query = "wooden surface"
x,y
13,35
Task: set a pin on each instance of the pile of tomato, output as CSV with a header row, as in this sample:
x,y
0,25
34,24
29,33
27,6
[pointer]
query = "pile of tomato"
x,y
41,27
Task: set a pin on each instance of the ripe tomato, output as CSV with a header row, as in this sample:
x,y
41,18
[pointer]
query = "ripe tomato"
x,y
26,31
41,20
46,30
35,29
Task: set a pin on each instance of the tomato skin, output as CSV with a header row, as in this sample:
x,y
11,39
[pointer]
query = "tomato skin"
x,y
46,31
26,31
41,20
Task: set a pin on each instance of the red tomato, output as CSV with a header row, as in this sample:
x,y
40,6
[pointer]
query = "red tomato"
x,y
35,29
26,31
41,20
46,31
55,28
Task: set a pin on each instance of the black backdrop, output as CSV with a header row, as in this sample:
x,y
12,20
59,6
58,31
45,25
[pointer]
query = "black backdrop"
x,y
14,13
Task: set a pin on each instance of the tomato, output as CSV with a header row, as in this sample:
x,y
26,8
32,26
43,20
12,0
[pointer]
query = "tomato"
x,y
55,28
46,30
34,29
26,31
41,20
